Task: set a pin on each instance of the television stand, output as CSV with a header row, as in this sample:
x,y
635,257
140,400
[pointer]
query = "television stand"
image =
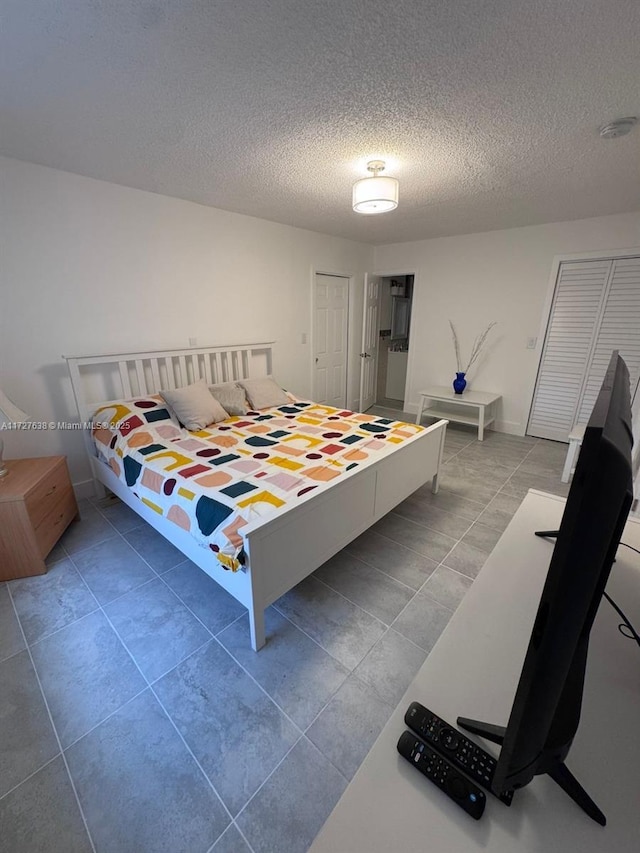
x,y
558,771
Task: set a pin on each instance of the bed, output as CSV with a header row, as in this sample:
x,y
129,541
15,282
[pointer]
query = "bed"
x,y
296,536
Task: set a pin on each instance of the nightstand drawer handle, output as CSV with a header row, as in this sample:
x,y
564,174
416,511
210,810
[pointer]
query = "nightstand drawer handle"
x,y
51,491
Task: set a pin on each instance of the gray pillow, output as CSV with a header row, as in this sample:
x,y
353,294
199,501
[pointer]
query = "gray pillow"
x,y
194,405
264,393
232,397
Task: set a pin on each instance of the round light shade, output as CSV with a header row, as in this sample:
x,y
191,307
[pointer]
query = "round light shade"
x,y
375,195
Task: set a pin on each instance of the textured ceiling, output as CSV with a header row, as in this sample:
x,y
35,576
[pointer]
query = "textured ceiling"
x,y
486,110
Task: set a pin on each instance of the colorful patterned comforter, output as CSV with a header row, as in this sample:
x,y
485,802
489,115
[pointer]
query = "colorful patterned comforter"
x,y
214,482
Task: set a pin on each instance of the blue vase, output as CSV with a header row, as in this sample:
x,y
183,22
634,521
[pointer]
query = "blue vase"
x,y
459,383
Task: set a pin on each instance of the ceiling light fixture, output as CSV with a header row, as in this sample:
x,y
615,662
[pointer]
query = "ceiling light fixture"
x,y
619,127
377,194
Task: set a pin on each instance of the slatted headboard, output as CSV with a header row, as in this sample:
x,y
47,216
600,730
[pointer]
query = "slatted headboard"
x,y
97,379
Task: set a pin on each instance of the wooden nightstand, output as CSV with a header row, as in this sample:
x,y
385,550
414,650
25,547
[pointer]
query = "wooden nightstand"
x,y
37,504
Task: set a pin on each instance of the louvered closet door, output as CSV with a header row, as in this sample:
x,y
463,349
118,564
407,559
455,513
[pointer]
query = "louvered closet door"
x,y
619,329
574,319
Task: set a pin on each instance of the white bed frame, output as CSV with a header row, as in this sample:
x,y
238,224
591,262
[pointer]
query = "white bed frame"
x,y
292,543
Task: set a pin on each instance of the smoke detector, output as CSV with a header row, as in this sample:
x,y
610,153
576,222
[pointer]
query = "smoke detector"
x,y
619,127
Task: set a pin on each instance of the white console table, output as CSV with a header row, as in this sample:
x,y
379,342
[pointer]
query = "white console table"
x,y
473,671
483,401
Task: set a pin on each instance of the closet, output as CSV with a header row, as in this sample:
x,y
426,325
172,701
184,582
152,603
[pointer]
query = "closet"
x,y
596,309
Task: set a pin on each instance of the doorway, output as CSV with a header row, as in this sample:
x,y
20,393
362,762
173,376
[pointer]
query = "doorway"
x,y
330,339
396,293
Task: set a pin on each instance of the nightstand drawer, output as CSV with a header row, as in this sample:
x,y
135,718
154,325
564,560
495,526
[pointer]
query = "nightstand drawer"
x,y
45,496
56,521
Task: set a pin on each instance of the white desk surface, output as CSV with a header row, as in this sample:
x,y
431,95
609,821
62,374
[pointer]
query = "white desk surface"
x,y
473,671
473,398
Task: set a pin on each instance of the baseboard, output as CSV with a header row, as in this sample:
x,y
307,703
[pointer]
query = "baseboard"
x,y
84,489
510,427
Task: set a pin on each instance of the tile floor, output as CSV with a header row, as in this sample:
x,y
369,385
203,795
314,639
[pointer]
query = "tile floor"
x,y
135,716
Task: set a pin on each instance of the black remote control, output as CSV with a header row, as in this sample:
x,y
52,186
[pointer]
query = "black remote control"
x,y
443,774
462,752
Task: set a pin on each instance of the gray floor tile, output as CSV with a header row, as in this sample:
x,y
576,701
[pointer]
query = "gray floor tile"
x,y
112,569
430,515
519,484
139,787
118,514
500,511
156,627
391,666
547,451
466,559
482,536
231,842
478,469
387,408
491,454
543,467
288,811
452,503
506,439
11,639
418,538
48,602
209,601
299,676
343,629
154,548
393,559
42,815
27,739
86,674
478,486
56,554
91,529
458,440
453,448
423,621
348,727
447,587
365,586
235,731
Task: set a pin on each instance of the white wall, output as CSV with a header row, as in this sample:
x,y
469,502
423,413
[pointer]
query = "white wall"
x,y
497,275
91,267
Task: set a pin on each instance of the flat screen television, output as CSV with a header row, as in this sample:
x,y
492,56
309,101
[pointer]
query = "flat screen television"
x,y
546,710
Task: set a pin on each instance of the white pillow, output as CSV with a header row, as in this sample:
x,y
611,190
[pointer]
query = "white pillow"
x,y
194,405
264,393
231,397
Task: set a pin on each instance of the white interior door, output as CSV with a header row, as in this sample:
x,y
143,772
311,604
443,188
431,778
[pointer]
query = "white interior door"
x,y
370,337
331,326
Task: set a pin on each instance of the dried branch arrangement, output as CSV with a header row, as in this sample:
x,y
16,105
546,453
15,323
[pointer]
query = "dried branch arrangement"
x,y
475,350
